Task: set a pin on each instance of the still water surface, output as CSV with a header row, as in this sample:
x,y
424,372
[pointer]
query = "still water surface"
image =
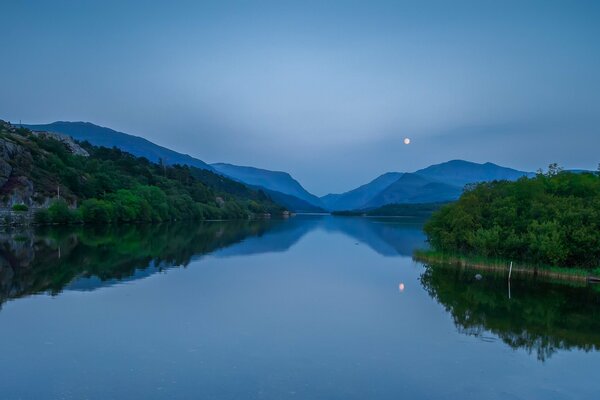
x,y
306,308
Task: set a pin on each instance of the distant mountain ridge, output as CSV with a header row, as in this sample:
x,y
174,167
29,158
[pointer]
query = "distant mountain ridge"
x,y
414,188
460,172
138,146
436,183
362,195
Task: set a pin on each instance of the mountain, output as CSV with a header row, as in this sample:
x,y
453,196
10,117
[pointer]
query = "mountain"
x,y
414,188
101,136
436,183
356,198
275,181
459,172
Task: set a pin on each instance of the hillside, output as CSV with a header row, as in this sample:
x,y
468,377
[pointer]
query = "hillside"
x,y
106,137
81,182
272,180
279,184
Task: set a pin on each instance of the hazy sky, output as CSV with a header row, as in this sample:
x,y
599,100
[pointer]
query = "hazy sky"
x,y
325,90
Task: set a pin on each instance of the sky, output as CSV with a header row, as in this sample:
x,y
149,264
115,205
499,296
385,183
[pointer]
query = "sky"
x,y
324,90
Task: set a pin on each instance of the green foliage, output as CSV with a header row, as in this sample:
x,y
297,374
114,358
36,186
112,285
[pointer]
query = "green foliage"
x,y
97,211
60,213
20,207
553,219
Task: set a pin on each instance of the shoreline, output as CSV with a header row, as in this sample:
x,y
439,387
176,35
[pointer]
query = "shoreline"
x,y
502,266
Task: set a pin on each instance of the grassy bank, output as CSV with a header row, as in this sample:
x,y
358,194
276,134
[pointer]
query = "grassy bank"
x,y
501,266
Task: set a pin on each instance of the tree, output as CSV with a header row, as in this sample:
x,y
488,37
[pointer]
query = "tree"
x,y
554,169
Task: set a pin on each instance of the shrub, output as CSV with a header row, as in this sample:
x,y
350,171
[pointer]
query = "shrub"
x,y
60,213
20,207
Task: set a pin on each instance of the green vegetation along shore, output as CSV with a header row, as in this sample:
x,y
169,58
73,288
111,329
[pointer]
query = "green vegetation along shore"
x,y
550,219
69,182
395,210
502,266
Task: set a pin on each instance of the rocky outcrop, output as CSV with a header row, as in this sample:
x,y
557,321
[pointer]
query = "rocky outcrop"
x,y
66,140
14,187
8,151
16,163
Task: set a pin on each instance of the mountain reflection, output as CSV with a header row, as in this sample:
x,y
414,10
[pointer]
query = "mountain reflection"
x,y
52,259
540,317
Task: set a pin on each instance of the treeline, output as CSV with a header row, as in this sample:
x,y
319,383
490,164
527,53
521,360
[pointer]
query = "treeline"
x,y
551,219
396,210
114,186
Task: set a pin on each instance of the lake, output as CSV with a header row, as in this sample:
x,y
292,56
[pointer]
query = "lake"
x,y
313,307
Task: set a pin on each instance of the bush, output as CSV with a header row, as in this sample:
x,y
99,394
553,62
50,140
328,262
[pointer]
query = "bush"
x,y
60,213
20,207
96,211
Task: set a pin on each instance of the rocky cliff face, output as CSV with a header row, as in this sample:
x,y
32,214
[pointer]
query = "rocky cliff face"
x,y
16,160
15,188
66,140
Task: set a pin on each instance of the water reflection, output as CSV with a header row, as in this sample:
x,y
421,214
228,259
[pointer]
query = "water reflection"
x,y
540,317
84,258
52,259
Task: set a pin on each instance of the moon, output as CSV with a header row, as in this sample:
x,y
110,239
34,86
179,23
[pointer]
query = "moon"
x,y
406,140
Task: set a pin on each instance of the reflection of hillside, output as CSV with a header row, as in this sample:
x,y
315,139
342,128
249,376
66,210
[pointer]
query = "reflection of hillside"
x,y
85,258
50,259
386,236
281,235
540,317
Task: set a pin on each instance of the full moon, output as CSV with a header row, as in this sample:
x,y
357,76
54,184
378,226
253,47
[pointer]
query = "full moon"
x,y
406,141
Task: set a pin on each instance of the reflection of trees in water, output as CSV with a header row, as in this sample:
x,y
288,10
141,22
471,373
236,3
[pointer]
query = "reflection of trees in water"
x,y
541,317
49,259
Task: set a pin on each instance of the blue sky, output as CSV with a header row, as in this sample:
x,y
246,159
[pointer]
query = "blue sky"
x,y
325,90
